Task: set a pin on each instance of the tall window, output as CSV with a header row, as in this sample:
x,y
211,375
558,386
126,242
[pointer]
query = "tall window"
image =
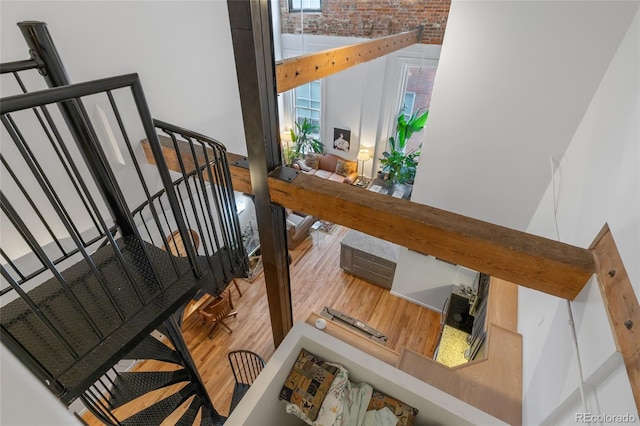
x,y
417,97
409,100
307,99
305,5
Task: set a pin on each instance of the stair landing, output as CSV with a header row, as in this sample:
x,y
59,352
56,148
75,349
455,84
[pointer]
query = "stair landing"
x,y
165,284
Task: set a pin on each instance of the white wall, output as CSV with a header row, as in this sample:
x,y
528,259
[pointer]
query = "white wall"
x,y
428,281
20,389
597,181
513,83
181,49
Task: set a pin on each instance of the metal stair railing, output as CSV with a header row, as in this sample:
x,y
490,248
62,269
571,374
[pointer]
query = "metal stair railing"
x,y
206,197
63,312
72,310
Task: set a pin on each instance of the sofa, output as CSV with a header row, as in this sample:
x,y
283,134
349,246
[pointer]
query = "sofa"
x,y
298,228
328,166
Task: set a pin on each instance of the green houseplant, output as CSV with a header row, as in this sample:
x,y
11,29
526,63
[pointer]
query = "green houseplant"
x,y
303,140
398,164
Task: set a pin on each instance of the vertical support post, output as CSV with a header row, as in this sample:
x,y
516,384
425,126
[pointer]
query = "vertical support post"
x,y
255,67
44,51
172,329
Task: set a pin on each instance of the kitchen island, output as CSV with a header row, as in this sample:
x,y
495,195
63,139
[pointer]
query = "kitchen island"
x,y
370,258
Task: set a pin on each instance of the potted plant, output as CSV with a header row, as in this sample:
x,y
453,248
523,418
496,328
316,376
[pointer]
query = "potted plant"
x,y
303,140
289,154
398,164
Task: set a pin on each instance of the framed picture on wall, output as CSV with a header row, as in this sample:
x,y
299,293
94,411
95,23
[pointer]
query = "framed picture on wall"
x,y
341,139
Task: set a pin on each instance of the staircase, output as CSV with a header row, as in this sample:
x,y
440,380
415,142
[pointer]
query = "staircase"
x,y
87,271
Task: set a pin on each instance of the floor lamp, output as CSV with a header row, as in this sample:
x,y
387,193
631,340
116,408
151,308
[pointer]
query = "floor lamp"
x,y
363,155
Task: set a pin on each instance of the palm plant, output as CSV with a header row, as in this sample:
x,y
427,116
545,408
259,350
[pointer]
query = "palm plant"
x,y
303,140
401,166
406,128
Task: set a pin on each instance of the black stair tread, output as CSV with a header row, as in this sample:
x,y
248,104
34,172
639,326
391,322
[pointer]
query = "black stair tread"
x,y
152,348
158,412
90,367
239,390
211,418
131,385
189,416
96,356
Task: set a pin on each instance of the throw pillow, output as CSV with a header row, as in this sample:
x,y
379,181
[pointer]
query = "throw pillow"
x,y
308,383
405,413
312,160
331,409
303,166
344,168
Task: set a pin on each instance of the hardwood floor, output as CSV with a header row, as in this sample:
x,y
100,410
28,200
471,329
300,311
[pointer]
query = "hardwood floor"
x,y
316,281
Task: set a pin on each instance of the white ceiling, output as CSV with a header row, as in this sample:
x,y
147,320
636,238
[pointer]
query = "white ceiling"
x,y
514,81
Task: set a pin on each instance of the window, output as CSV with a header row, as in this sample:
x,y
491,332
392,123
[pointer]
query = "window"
x,y
305,5
307,103
409,100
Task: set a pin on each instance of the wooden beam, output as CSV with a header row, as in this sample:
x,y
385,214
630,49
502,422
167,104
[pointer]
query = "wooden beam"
x,y
621,304
303,69
239,175
535,262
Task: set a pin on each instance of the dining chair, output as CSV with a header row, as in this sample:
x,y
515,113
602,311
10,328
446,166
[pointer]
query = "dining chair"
x,y
219,309
246,366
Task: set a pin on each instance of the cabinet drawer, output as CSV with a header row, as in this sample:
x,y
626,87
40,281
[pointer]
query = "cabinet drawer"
x,y
362,256
374,267
381,280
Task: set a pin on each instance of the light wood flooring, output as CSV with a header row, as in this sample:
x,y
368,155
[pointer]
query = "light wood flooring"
x,y
317,281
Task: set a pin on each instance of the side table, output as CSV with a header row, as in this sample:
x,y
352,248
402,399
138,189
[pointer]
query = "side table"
x,y
362,182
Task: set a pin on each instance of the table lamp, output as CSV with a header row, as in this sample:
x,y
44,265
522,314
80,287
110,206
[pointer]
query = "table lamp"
x,y
363,155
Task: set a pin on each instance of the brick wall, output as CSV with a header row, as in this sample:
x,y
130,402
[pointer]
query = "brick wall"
x,y
370,18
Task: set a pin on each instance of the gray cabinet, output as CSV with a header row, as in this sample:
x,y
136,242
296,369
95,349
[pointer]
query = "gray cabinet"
x,y
369,258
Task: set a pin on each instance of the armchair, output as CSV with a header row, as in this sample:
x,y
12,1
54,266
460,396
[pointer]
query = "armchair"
x,y
298,228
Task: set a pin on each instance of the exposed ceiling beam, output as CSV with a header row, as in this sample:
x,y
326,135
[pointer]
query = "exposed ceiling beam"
x,y
622,305
528,260
293,72
545,265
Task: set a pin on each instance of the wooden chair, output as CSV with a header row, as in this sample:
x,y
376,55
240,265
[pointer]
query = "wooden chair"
x,y
246,366
176,245
219,309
